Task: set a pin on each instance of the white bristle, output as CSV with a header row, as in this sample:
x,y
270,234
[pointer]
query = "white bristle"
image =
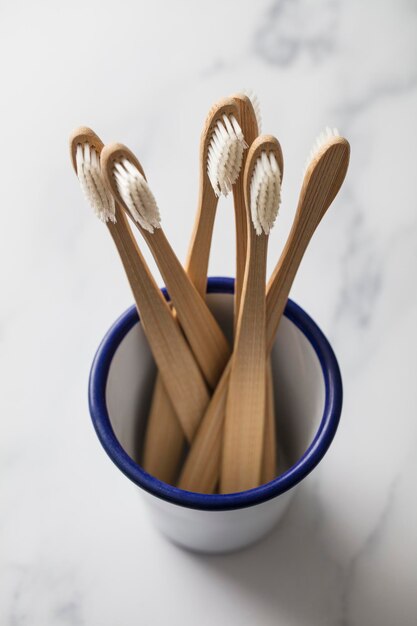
x,y
256,107
136,195
321,141
92,183
225,155
265,193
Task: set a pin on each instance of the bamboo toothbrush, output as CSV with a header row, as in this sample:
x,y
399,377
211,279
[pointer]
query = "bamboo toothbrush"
x,y
243,437
181,374
250,120
126,181
323,178
221,155
222,147
250,116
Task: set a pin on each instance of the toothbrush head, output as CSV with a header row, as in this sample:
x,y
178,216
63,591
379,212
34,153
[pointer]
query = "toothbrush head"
x,y
263,176
85,149
322,141
126,179
249,117
222,146
325,170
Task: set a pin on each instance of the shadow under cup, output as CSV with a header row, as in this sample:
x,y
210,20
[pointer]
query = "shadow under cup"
x,y
308,401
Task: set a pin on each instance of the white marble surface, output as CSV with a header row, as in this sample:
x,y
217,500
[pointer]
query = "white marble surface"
x,y
76,546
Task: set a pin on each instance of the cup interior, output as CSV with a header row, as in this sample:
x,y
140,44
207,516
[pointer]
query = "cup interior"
x,y
307,391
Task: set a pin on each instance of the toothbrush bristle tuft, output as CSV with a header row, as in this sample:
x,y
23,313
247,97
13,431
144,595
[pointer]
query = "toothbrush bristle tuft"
x,y
322,140
137,195
225,154
92,183
265,193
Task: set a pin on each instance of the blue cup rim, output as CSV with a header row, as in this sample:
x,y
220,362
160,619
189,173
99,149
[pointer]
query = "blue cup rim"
x,y
217,502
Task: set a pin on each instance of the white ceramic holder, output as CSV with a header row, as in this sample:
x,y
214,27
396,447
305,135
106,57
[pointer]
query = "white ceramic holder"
x,y
308,400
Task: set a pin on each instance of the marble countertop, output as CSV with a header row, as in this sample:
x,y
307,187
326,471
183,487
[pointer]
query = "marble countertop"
x,y
76,544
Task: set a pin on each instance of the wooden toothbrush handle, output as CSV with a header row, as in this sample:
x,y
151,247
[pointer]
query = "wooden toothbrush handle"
x,y
165,440
207,341
243,434
241,229
196,265
182,377
269,459
201,469
202,466
161,418
249,126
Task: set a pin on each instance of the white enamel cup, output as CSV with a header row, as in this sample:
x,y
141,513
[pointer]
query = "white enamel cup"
x,y
308,397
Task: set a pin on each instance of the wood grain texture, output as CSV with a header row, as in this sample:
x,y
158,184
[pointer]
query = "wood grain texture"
x,y
182,376
321,184
201,469
244,424
165,440
207,340
248,124
156,445
270,456
243,434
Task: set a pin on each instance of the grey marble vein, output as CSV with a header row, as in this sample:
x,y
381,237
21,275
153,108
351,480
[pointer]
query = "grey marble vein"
x,y
294,29
363,272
